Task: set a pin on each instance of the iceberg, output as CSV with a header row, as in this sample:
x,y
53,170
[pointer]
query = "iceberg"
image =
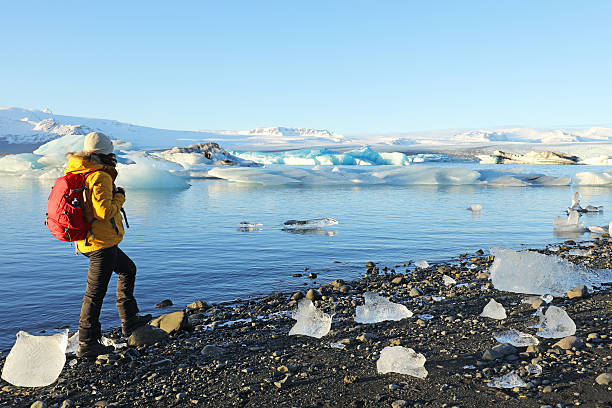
x,y
310,321
538,274
475,207
516,338
402,360
510,380
533,157
378,309
203,153
309,224
588,178
556,324
142,176
20,163
570,224
35,361
493,310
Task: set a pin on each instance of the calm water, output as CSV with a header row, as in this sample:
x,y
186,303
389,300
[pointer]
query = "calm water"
x,y
187,245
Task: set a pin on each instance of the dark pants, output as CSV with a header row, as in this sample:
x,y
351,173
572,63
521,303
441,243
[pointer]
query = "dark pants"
x,y
102,263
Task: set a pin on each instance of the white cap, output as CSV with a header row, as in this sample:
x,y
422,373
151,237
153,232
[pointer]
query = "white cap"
x,y
96,142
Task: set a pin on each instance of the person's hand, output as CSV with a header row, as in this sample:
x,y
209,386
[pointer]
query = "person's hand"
x,y
120,190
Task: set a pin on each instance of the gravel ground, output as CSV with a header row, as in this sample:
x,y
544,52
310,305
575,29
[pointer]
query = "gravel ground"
x,y
253,362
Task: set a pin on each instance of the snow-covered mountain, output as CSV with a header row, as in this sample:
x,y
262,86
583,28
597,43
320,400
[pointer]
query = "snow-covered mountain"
x,y
35,127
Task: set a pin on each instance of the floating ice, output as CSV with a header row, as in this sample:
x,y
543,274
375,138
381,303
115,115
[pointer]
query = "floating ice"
x,y
516,338
19,163
246,224
378,309
556,324
421,264
35,361
535,273
306,224
448,280
475,207
339,346
588,178
203,153
596,229
510,380
310,321
402,360
494,310
363,156
571,223
142,176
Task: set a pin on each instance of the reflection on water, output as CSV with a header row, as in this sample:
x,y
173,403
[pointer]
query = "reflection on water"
x,y
311,231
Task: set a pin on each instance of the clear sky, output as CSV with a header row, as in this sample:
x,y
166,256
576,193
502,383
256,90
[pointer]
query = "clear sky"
x,y
348,66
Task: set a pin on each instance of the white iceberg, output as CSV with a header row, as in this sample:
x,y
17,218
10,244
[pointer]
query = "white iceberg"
x,y
310,321
516,338
556,324
493,310
510,380
142,176
571,223
35,361
402,360
534,273
378,309
475,208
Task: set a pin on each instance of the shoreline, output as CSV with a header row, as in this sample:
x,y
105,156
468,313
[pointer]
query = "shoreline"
x,y
254,362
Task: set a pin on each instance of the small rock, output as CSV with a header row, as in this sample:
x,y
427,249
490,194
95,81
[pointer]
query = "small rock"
x,y
398,281
164,303
210,350
345,289
569,342
297,296
367,337
173,322
604,379
198,305
313,294
312,275
537,303
547,389
67,404
578,292
147,335
350,379
414,292
399,404
370,264
38,404
483,275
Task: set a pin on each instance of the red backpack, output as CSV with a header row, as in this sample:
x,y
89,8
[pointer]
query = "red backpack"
x,y
65,208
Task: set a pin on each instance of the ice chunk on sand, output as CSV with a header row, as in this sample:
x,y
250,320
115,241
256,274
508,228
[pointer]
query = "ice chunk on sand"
x,y
580,252
378,309
556,324
421,264
509,380
448,280
571,223
494,310
534,369
539,274
72,344
402,360
35,361
516,338
310,321
475,207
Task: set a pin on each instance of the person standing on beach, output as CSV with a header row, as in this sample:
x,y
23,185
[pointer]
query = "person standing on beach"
x,y
103,206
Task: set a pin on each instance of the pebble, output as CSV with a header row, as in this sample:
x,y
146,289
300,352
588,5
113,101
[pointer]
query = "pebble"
x,y
577,292
67,404
297,296
313,294
399,404
569,342
38,404
164,303
414,292
604,379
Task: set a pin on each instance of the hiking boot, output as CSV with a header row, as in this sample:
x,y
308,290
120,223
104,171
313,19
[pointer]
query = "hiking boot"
x,y
93,350
135,322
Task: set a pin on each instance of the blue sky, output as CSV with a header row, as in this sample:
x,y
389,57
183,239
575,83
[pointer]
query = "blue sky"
x,y
352,67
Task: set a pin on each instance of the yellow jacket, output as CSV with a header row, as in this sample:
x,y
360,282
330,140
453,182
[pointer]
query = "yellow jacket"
x,y
101,205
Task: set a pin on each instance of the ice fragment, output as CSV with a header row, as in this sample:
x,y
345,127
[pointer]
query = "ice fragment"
x,y
421,264
494,310
534,369
516,338
535,273
35,361
570,224
509,380
448,280
402,360
378,309
73,344
426,316
339,346
310,321
556,324
475,207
